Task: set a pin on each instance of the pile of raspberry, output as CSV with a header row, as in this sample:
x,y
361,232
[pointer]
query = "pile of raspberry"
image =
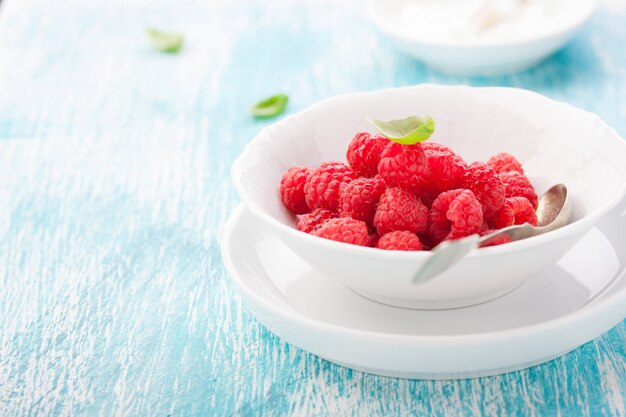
x,y
407,197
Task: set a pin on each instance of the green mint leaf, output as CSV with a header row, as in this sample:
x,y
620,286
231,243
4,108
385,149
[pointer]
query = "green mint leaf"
x,y
407,131
270,107
164,41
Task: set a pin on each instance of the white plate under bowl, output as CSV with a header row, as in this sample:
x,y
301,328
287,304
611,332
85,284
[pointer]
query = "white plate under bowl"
x,y
569,304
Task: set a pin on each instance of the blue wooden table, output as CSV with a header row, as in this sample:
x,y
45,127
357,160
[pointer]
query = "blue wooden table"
x,y
114,186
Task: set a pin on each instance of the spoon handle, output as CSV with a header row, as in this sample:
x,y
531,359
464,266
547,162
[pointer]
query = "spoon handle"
x,y
515,232
447,254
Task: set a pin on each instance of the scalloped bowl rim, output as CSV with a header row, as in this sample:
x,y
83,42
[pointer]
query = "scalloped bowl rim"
x,y
585,222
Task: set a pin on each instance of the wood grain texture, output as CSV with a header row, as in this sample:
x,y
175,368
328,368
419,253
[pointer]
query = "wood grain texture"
x,y
114,164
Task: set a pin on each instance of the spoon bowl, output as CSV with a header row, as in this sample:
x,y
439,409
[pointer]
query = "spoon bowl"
x,y
554,207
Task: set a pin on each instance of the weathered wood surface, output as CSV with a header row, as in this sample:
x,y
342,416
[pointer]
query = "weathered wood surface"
x,y
114,164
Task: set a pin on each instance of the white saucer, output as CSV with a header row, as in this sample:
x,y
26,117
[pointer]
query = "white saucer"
x,y
572,302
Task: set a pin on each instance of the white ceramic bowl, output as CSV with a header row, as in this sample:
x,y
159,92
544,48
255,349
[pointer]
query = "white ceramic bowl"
x,y
555,141
478,56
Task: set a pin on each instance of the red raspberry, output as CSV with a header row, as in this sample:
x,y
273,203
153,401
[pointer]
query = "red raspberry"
x,y
313,220
344,230
446,169
403,166
516,210
398,209
400,240
434,146
499,241
364,153
503,162
453,215
523,210
483,181
360,197
518,185
292,189
324,185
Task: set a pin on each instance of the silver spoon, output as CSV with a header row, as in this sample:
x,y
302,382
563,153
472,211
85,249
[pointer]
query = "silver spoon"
x,y
553,211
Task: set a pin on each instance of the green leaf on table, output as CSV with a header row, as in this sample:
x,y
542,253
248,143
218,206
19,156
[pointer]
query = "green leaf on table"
x,y
406,131
165,41
270,107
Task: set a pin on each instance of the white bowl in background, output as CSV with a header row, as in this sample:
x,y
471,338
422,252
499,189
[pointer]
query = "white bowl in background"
x,y
478,55
556,142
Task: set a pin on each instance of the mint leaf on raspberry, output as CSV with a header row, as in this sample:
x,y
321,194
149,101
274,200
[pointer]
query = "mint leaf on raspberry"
x,y
270,107
408,131
164,41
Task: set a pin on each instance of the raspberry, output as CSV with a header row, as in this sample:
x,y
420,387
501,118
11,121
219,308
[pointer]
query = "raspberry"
x,y
483,181
523,210
400,240
364,153
360,197
503,162
434,146
446,169
323,186
313,220
292,189
453,215
398,209
403,166
498,241
518,185
516,210
344,230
